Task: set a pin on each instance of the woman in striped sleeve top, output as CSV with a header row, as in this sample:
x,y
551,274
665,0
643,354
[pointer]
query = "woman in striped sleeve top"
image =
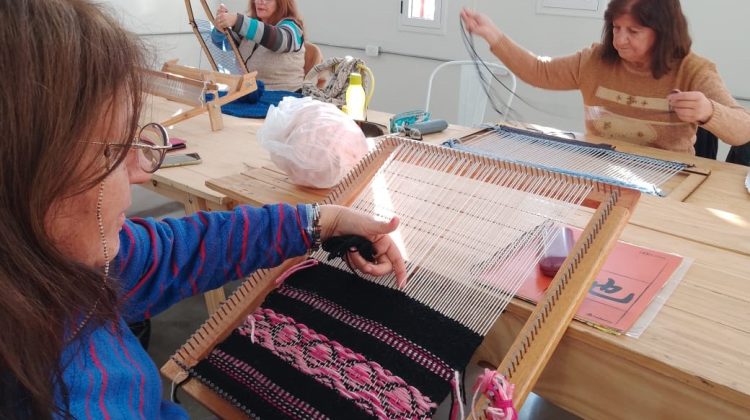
x,y
73,270
271,41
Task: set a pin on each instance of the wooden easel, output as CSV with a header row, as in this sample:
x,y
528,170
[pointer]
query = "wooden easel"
x,y
190,86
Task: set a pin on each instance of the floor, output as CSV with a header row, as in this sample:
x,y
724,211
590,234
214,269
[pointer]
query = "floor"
x,y
170,329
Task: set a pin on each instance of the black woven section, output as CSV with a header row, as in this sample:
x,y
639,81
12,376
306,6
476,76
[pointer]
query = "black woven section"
x,y
446,338
443,337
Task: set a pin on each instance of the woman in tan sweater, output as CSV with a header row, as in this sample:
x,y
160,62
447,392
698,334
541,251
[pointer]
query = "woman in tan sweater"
x,y
640,84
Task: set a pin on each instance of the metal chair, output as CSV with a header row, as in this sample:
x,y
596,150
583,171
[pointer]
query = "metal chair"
x,y
472,99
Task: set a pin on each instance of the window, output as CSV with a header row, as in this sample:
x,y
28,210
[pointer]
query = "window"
x,y
422,9
422,16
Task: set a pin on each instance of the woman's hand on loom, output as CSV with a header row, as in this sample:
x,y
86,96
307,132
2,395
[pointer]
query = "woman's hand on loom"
x,y
479,24
338,220
224,19
691,107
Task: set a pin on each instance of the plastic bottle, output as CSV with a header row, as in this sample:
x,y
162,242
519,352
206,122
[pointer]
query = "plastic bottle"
x,y
553,258
355,97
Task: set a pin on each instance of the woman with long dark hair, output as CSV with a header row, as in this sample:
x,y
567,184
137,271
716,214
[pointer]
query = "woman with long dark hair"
x,y
641,84
73,270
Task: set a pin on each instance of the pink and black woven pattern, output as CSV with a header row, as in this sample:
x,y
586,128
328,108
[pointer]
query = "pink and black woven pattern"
x,y
328,344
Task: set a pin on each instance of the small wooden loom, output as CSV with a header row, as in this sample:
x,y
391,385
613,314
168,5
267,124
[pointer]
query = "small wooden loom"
x,y
457,207
197,88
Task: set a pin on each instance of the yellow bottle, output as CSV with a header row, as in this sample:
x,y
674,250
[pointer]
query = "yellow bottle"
x,y
355,97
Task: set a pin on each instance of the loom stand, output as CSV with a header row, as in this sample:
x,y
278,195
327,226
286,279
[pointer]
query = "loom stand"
x,y
185,78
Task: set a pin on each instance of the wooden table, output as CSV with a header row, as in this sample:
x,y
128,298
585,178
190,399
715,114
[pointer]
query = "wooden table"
x,y
224,152
692,362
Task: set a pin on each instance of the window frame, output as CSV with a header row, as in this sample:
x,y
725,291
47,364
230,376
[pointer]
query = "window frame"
x,y
434,26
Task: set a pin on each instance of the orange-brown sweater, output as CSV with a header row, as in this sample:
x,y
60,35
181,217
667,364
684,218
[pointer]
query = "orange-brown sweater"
x,y
626,104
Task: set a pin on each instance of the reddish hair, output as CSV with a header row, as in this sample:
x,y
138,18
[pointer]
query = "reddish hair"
x,y
284,9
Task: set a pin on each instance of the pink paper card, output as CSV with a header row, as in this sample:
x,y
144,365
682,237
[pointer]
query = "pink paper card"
x,y
626,285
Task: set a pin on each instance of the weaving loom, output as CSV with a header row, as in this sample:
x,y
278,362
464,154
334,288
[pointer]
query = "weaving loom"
x,y
342,346
197,88
598,162
222,60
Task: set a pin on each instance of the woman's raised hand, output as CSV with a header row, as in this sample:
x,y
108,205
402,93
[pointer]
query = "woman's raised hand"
x,y
481,25
224,19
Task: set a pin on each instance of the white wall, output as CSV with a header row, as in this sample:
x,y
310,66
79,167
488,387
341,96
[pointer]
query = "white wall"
x,y
163,26
345,27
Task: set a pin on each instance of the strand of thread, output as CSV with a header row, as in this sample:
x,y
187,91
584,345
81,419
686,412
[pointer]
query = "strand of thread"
x,y
499,392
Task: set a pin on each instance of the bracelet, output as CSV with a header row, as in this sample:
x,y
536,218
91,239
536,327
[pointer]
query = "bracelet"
x,y
315,227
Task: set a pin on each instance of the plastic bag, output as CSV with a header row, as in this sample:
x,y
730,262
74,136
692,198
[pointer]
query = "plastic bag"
x,y
313,142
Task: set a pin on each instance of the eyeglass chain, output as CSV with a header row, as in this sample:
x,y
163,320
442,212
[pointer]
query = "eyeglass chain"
x,y
100,223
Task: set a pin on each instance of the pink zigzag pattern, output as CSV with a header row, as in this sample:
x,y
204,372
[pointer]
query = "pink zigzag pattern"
x,y
410,349
367,384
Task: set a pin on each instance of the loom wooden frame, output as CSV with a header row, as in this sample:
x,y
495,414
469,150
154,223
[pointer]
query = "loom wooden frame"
x,y
532,348
202,42
237,85
694,176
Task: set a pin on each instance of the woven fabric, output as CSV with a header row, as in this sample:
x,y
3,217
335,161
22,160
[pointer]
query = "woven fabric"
x,y
259,108
327,344
255,104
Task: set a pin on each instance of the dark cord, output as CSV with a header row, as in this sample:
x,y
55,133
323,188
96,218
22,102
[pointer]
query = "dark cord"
x,y
489,90
492,95
341,246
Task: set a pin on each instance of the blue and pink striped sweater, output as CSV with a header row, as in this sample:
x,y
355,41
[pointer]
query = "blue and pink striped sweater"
x,y
108,374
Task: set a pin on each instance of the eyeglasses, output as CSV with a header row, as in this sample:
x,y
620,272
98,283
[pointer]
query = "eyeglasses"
x,y
151,146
